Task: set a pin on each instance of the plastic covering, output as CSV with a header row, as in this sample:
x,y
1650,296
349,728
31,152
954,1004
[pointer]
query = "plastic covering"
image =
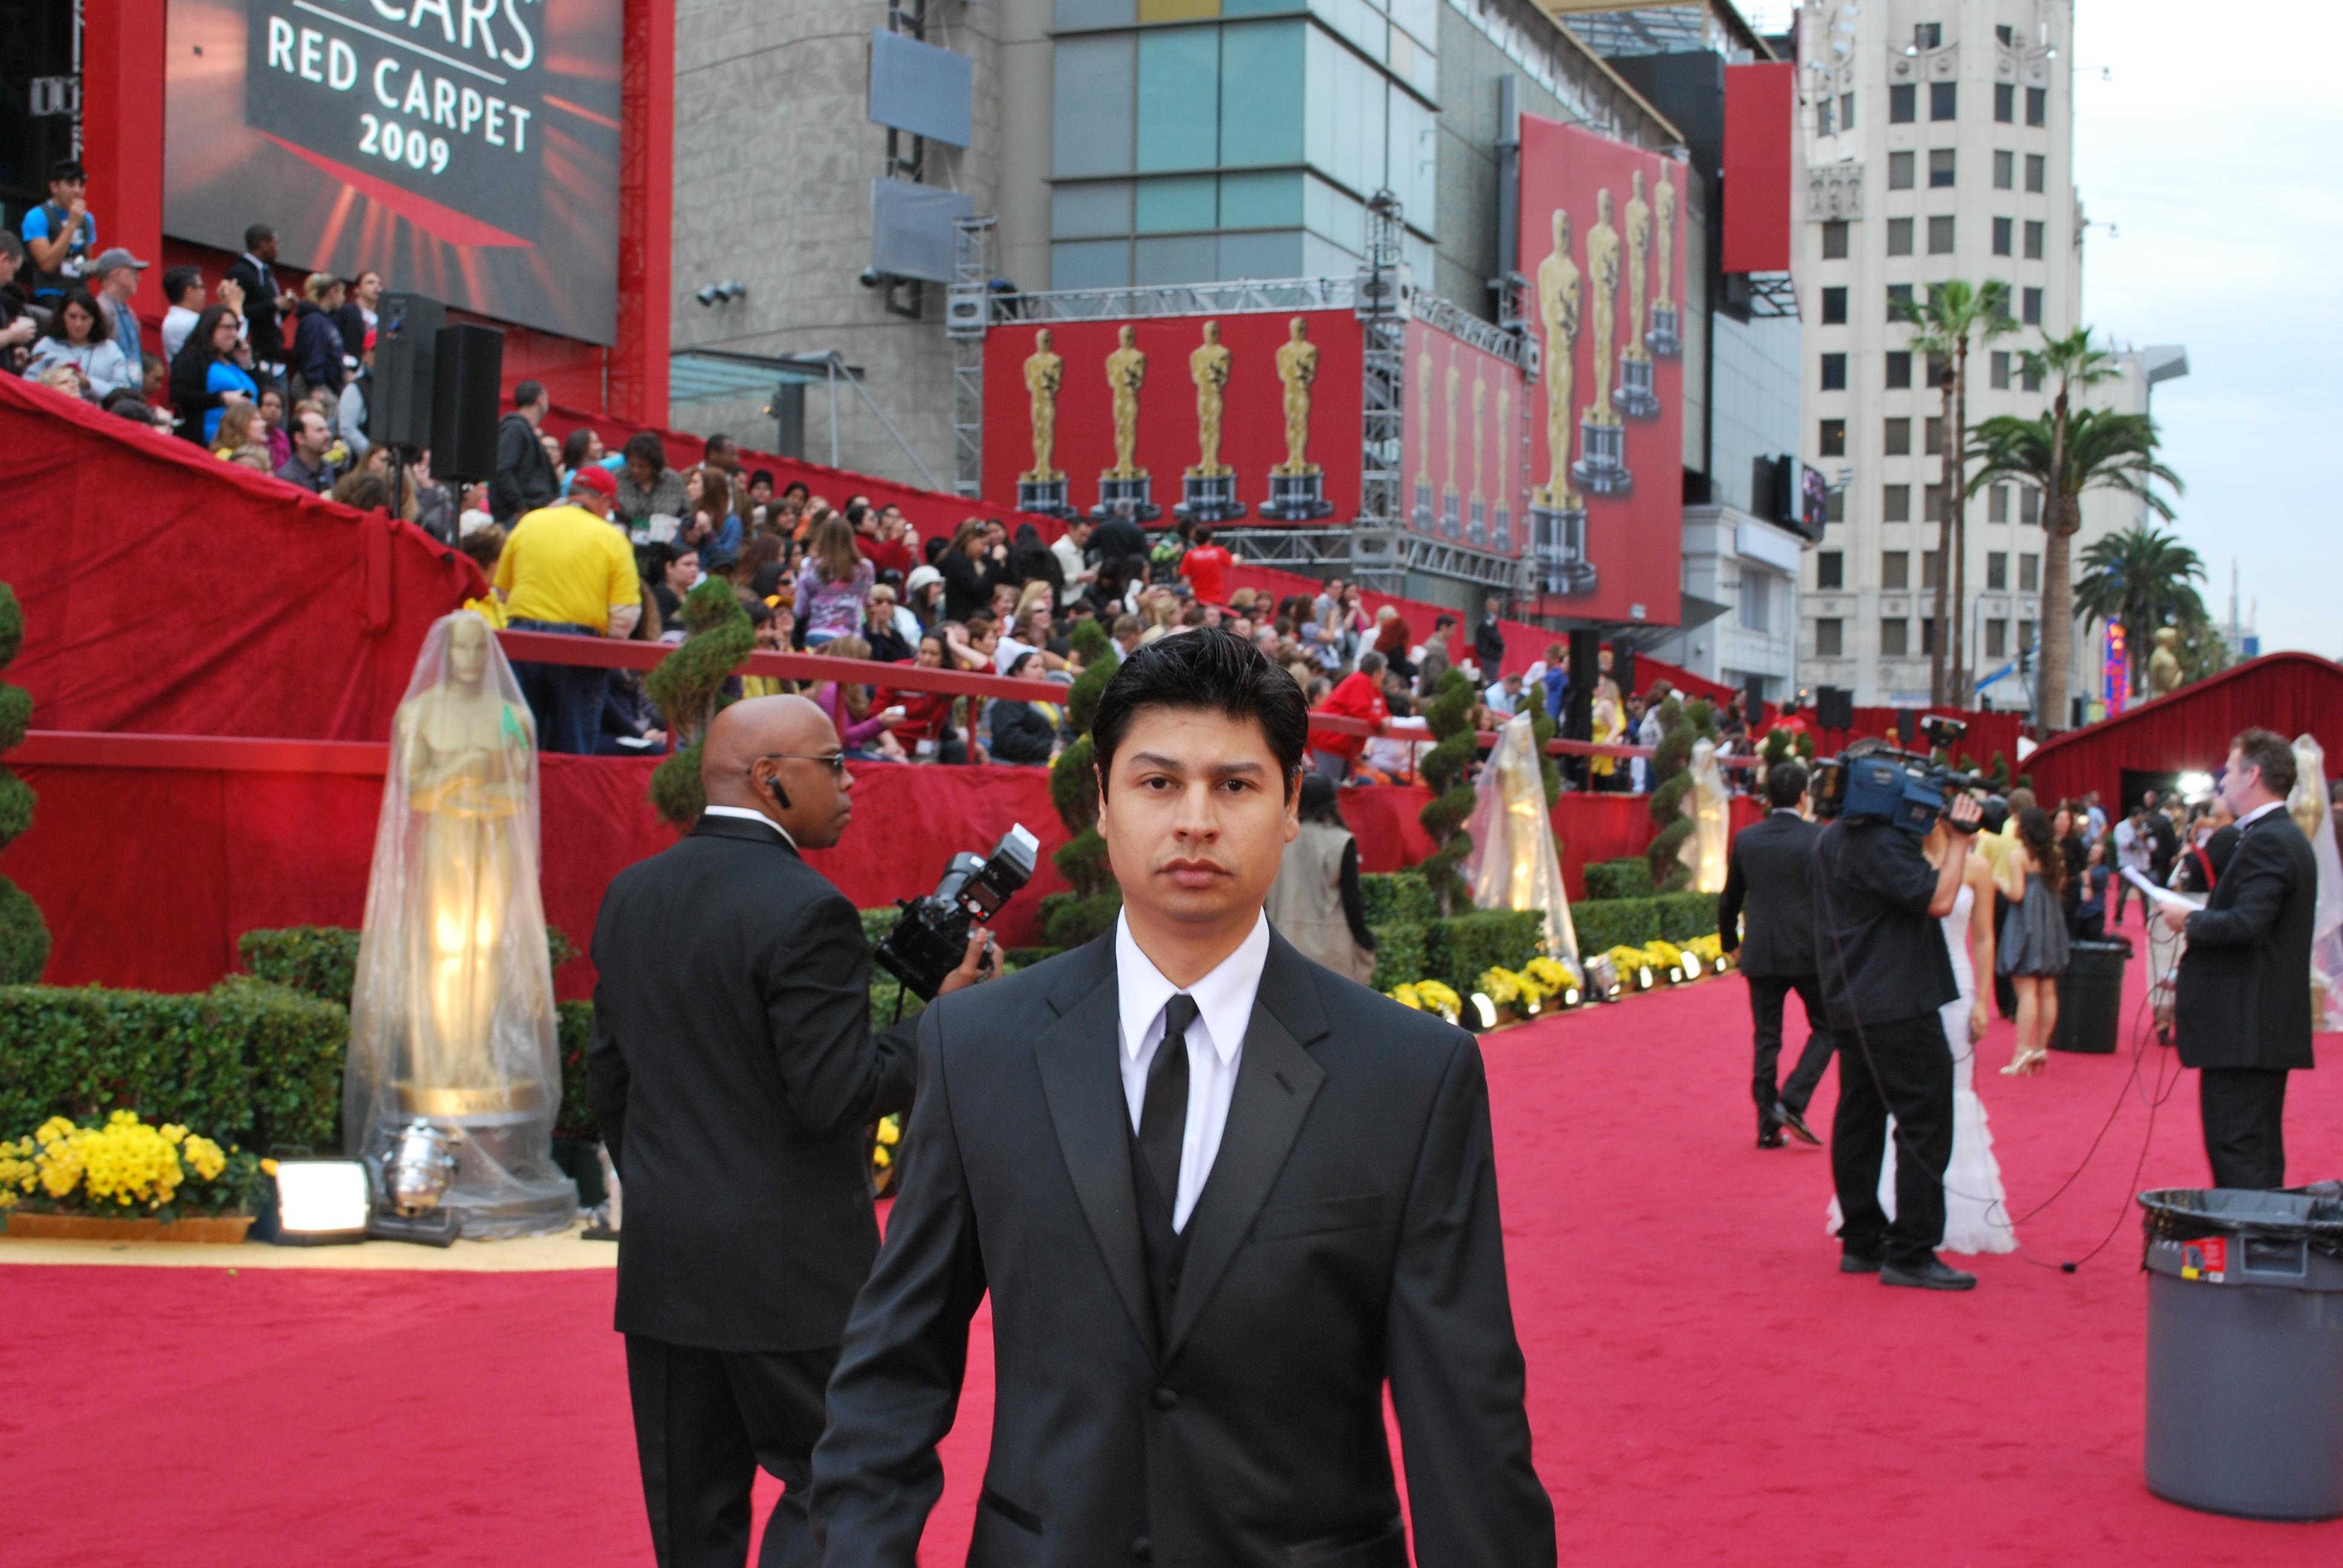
x,y
1513,865
1707,805
2308,807
451,1017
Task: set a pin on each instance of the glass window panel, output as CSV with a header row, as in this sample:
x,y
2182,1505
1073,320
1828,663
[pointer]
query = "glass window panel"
x,y
1895,568
1189,259
2037,173
1078,211
1834,373
1940,168
1335,214
1173,205
1261,95
1261,201
1832,439
1258,7
2004,171
1179,107
1895,507
1899,369
1899,236
1834,306
1321,257
2005,103
1091,264
2001,237
1901,100
1421,18
2000,374
1997,504
1076,13
1897,437
1267,255
1996,569
1893,636
1830,568
1830,636
2034,237
1093,89
1943,97
1358,22
2037,105
1835,238
1940,237
1411,163
1899,171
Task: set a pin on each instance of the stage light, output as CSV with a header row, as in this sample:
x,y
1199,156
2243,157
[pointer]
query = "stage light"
x,y
1720,963
1691,967
319,1202
1485,1009
1603,976
1643,977
2192,785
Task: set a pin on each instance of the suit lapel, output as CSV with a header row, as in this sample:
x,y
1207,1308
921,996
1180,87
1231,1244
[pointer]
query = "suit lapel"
x,y
1277,1080
1084,1084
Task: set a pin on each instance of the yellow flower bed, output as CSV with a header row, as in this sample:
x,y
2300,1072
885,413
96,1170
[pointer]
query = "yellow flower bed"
x,y
123,1164
1429,995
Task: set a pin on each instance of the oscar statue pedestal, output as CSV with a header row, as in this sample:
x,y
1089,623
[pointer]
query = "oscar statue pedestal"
x,y
1046,496
1665,339
1601,466
1209,499
1636,399
1558,550
1422,515
1501,532
1296,497
1476,528
1134,497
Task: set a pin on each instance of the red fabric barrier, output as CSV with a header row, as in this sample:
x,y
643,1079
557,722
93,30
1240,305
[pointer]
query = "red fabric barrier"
x,y
169,592
2292,693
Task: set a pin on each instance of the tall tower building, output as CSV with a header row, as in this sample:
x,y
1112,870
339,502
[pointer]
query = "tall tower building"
x,y
1939,146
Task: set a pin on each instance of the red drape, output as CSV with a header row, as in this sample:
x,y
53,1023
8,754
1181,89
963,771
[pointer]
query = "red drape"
x,y
168,592
2292,693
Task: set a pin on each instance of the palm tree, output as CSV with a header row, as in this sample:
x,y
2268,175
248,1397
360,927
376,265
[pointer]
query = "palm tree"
x,y
2141,578
2076,363
1956,311
2063,453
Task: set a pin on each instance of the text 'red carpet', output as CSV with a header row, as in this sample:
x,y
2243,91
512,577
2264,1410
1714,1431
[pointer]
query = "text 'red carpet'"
x,y
1704,1386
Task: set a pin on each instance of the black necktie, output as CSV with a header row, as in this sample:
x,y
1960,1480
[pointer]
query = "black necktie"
x,y
1163,1117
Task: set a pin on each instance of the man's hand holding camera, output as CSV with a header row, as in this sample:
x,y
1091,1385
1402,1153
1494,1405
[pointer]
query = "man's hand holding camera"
x,y
981,964
1964,815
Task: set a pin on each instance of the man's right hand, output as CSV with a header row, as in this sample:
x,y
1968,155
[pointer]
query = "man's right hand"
x,y
976,966
1964,814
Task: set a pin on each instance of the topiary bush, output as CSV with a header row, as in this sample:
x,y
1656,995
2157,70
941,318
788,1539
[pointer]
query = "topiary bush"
x,y
24,934
1630,878
1449,715
1391,897
1070,920
1681,724
687,685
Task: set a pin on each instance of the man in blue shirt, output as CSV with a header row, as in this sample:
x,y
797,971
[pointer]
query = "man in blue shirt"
x,y
60,234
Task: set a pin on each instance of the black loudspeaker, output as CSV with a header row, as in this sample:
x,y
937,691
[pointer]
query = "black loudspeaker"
x,y
468,363
1835,707
399,404
1753,691
1585,668
1907,728
1623,668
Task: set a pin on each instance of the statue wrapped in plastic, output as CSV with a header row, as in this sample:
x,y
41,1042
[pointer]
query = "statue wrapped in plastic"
x,y
2308,807
451,1017
1514,865
1704,853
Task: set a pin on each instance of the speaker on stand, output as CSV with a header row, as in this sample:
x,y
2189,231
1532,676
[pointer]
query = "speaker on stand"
x,y
398,405
468,363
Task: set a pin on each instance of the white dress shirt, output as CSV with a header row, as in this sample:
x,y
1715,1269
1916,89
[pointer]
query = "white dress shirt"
x,y
2257,813
748,816
1224,1000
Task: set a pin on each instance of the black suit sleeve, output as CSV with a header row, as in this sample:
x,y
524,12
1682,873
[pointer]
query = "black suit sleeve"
x,y
817,990
897,1388
606,1077
1456,1373
1728,903
2247,920
1354,898
512,436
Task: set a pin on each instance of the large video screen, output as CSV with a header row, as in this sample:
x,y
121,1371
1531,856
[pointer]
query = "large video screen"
x,y
464,149
1603,245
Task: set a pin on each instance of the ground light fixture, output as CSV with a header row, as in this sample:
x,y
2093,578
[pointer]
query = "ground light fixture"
x,y
1484,1010
1602,978
317,1204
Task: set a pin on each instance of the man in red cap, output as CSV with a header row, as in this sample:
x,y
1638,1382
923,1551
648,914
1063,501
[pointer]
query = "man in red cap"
x,y
565,570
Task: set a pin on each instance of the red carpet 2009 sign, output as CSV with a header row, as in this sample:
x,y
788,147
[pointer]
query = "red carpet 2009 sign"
x,y
466,149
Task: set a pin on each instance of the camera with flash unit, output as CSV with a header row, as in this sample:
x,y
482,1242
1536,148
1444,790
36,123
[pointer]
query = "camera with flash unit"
x,y
931,936
1872,781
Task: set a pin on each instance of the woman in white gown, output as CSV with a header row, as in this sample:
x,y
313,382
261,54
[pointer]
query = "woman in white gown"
x,y
1976,1219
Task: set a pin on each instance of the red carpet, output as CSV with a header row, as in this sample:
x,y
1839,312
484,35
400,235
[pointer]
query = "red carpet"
x,y
1706,1388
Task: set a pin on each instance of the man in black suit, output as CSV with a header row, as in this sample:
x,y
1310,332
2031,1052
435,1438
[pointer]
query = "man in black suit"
x,y
1767,869
2242,1014
734,1071
1218,1195
265,303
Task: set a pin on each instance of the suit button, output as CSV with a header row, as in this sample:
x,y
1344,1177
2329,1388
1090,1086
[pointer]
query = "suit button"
x,y
1166,1398
1143,1549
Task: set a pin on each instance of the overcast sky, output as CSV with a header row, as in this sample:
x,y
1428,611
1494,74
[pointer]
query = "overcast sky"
x,y
2208,169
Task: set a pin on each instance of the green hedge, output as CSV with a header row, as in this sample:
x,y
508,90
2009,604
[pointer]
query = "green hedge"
x,y
1391,897
1399,953
1606,923
245,1062
1627,878
323,961
1457,949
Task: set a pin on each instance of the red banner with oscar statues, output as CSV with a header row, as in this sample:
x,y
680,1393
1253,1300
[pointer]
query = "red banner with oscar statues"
x,y
1238,417
1464,478
1603,245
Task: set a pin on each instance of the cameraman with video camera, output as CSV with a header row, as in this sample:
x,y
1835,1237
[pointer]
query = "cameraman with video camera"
x,y
734,1071
1886,972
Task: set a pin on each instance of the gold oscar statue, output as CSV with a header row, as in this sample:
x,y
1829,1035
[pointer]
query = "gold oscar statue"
x,y
1502,533
1559,287
1297,367
1477,507
1451,522
1126,373
1636,398
1665,339
1045,372
1209,367
1423,439
1603,278
466,755
2163,664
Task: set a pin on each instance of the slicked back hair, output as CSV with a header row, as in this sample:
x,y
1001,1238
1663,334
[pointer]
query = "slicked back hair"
x,y
1211,670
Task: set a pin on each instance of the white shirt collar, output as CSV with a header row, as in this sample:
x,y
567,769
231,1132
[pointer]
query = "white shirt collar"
x,y
748,816
1224,998
2257,813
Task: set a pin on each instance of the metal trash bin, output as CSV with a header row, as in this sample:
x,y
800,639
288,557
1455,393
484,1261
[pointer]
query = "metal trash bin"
x,y
2090,997
2245,1351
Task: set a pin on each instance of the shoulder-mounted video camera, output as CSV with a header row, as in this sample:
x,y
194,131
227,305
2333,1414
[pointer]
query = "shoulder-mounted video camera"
x,y
930,937
1877,783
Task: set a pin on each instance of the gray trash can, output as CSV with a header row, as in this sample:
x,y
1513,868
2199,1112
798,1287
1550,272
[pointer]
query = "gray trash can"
x,y
2245,1351
2090,997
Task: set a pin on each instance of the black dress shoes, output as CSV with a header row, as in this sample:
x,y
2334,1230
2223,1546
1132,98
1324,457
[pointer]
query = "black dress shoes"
x,y
1931,1275
1859,1263
1770,1138
1797,1122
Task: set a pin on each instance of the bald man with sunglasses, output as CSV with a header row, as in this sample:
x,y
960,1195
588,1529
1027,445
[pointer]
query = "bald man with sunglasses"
x,y
734,1070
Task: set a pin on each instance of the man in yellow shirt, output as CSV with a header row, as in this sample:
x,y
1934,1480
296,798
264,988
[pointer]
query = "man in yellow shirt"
x,y
566,570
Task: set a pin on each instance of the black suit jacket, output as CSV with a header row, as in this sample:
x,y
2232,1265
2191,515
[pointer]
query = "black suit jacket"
x,y
733,1070
2245,977
1348,1233
263,330
1766,873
